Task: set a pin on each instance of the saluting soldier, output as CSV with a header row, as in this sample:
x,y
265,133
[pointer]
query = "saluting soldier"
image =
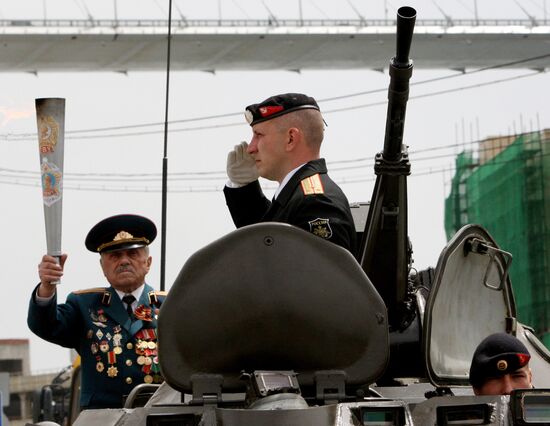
x,y
287,131
112,328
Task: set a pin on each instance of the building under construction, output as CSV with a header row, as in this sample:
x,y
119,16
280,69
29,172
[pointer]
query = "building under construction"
x,y
505,187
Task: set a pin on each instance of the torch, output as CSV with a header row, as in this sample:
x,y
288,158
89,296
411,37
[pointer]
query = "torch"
x,y
50,118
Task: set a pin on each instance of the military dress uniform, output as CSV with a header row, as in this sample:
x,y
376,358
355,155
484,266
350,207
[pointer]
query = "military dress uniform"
x,y
116,353
118,346
310,200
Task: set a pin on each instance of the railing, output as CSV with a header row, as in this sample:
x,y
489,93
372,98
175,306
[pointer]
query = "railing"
x,y
132,23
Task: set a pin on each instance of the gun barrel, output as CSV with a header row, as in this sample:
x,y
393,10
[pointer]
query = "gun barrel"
x,y
406,18
398,93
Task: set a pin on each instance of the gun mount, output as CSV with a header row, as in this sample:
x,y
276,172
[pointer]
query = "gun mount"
x,y
384,252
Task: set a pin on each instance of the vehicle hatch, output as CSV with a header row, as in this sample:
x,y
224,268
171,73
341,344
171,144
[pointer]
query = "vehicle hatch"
x,y
471,298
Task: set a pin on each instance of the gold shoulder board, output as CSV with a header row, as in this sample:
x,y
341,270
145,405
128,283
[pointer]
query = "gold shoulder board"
x,y
90,290
312,185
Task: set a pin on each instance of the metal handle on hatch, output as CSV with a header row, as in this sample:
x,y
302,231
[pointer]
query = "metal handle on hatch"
x,y
479,246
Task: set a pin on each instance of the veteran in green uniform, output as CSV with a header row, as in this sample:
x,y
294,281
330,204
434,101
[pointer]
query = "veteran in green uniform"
x,y
112,328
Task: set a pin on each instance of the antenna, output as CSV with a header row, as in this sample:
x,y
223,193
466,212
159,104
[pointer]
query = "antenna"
x,y
165,157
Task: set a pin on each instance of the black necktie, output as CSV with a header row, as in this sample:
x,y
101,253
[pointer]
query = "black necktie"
x,y
129,299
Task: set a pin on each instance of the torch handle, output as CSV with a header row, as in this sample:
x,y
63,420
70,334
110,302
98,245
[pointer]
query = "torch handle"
x,y
58,261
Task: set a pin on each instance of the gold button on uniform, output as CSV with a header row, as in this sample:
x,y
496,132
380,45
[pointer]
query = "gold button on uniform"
x,y
128,380
128,362
129,345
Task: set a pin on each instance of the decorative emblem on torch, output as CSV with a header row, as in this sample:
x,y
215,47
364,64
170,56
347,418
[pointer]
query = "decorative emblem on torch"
x,y
48,131
51,182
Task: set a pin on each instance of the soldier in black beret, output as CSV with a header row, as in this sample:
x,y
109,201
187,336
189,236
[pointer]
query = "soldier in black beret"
x,y
500,364
113,328
287,131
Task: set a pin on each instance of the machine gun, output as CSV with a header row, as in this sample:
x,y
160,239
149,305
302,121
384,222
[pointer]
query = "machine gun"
x,y
385,253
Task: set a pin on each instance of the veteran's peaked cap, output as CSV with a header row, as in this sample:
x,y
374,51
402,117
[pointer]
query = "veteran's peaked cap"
x,y
120,232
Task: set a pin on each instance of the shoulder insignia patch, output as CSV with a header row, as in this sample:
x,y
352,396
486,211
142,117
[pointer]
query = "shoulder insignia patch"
x,y
90,290
154,297
321,228
312,185
106,298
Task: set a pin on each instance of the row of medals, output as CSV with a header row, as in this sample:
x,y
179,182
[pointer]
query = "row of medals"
x,y
145,349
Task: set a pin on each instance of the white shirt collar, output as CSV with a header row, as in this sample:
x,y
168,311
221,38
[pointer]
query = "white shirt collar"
x,y
286,179
136,293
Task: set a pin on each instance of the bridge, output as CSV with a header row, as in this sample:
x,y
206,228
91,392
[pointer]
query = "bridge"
x,y
270,44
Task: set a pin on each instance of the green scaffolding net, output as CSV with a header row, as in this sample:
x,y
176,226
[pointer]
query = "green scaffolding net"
x,y
505,187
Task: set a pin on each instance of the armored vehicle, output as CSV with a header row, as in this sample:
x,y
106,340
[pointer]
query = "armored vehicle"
x,y
305,340
270,325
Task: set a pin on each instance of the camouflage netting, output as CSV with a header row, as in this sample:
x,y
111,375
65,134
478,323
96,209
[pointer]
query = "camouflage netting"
x,y
506,189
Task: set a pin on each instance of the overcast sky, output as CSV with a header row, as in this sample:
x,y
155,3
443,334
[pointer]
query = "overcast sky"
x,y
197,213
